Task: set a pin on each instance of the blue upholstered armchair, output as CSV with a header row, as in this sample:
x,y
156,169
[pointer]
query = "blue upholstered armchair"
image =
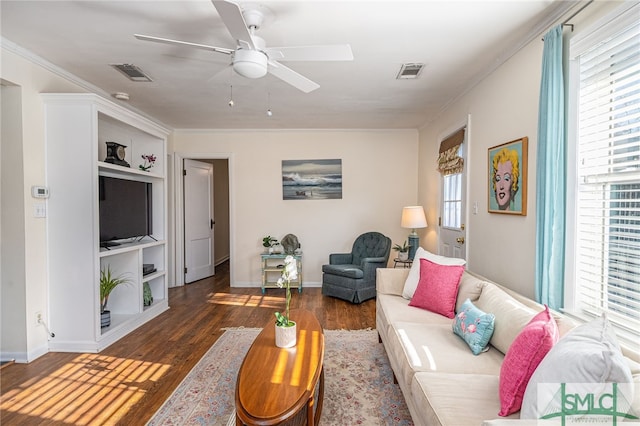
x,y
352,276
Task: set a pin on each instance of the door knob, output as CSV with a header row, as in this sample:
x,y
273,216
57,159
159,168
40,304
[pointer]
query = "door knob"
x,y
460,240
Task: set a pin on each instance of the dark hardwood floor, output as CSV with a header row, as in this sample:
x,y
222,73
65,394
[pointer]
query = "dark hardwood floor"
x,y
127,382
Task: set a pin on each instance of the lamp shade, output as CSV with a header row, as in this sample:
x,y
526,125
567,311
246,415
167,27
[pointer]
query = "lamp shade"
x,y
413,217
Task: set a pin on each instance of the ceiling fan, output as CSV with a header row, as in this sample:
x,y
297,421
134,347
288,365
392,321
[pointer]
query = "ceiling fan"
x,y
251,58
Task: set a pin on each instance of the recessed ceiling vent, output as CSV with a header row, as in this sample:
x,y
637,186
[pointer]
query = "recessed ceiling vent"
x,y
132,72
409,71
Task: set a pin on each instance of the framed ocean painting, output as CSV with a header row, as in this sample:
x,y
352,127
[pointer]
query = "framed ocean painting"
x,y
311,179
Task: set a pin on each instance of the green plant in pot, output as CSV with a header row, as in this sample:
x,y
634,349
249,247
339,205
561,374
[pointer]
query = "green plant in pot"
x,y
403,250
108,282
268,242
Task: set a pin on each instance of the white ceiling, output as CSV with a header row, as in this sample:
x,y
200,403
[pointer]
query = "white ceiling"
x,y
459,41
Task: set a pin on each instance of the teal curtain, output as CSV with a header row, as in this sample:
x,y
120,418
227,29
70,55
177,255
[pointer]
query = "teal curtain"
x,y
551,176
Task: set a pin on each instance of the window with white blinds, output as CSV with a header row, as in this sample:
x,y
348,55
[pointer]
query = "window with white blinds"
x,y
607,213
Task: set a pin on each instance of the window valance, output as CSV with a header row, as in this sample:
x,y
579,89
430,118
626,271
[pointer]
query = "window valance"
x,y
449,162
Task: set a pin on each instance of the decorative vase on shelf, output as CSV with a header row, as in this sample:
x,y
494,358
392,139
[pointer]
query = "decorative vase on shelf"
x,y
105,319
403,255
286,336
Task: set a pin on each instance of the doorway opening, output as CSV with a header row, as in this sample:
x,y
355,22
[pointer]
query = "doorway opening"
x,y
195,251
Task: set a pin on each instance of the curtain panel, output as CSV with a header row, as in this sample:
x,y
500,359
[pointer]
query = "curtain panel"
x,y
551,176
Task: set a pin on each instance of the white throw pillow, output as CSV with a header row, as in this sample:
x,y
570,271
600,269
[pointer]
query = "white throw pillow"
x,y
584,359
411,283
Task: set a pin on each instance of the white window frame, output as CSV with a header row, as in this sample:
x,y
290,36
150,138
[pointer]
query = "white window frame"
x,y
607,26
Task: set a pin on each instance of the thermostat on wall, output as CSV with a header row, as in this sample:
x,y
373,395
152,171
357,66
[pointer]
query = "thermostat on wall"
x,y
39,191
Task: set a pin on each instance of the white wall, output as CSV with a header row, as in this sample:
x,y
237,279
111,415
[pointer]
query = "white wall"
x,y
503,107
12,244
379,170
32,80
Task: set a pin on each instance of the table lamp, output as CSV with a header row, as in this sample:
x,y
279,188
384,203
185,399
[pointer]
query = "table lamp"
x,y
413,217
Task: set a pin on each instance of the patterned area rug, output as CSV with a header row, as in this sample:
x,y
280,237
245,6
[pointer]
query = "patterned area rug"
x,y
359,386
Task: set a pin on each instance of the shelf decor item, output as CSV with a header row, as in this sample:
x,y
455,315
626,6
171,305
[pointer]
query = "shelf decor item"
x,y
149,161
403,250
108,282
290,243
268,242
116,154
285,328
147,296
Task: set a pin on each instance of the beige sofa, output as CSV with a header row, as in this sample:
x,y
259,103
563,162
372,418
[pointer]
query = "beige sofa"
x,y
442,381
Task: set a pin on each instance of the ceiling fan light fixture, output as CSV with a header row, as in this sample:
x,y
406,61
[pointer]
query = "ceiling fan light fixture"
x,y
250,63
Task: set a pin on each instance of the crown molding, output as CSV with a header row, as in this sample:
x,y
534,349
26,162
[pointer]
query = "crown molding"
x,y
26,54
555,14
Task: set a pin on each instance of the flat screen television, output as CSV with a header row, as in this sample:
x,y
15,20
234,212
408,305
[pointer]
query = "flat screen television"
x,y
125,209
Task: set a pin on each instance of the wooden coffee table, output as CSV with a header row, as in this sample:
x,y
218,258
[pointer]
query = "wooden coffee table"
x,y
278,386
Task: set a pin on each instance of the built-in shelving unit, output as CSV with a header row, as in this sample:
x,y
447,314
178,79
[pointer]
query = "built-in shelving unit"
x,y
77,127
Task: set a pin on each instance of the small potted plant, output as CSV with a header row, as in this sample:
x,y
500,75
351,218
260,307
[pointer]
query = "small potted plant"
x,y
268,242
108,282
403,250
285,328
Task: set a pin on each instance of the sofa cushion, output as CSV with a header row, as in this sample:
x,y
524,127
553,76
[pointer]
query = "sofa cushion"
x,y
456,399
438,288
413,278
522,358
434,348
470,288
589,353
474,326
511,315
395,309
349,271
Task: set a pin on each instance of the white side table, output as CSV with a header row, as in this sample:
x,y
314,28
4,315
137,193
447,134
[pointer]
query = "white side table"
x,y
272,266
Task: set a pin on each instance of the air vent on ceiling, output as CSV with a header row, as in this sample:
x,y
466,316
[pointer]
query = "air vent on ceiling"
x,y
409,71
133,72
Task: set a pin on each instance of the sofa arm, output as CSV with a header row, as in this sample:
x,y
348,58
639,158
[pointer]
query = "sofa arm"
x,y
391,280
340,258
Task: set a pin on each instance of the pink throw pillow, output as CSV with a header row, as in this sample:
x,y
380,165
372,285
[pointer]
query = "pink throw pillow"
x,y
521,360
437,289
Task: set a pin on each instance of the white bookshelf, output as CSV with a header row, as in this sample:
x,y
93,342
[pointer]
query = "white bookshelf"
x,y
77,127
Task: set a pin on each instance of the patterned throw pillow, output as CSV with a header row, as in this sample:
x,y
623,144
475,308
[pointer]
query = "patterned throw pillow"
x,y
438,288
474,326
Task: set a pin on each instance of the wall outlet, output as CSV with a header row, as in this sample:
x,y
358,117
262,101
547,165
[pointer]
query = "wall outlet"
x,y
38,318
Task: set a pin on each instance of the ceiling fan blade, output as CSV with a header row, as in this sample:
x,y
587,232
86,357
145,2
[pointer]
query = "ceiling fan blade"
x,y
234,21
288,75
184,43
327,52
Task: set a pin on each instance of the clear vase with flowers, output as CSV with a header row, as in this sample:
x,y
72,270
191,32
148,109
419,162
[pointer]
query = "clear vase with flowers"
x,y
285,328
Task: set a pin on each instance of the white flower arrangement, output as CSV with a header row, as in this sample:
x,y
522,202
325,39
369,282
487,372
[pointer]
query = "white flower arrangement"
x,y
290,272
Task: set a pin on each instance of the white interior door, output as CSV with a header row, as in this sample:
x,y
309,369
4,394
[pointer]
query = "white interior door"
x,y
453,211
198,220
